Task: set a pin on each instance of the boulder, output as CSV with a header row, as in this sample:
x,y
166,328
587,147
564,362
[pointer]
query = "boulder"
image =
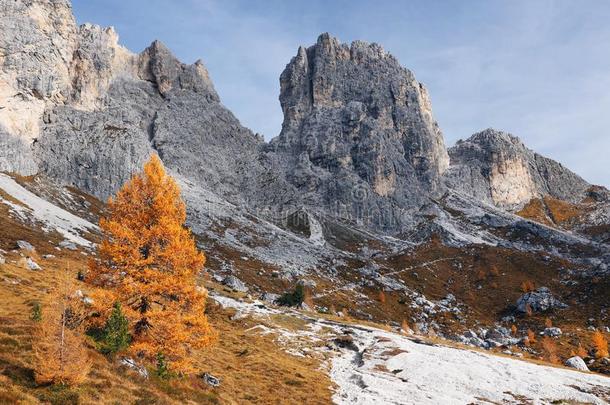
x,y
539,300
470,334
270,297
32,265
577,362
211,380
307,283
24,245
552,332
235,284
131,363
500,336
67,244
498,333
346,342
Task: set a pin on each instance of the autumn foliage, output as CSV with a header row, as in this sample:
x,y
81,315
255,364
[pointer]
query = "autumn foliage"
x,y
550,350
527,286
601,344
59,354
405,327
531,337
382,298
148,261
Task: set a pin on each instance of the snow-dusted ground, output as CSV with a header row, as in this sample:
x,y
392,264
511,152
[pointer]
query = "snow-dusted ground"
x,y
392,369
49,215
389,368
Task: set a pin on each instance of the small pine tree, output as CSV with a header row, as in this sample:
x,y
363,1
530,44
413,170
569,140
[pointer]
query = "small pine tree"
x,y
548,323
116,332
162,371
36,312
294,298
513,330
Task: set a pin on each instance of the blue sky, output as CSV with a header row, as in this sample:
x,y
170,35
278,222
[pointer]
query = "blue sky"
x,y
538,69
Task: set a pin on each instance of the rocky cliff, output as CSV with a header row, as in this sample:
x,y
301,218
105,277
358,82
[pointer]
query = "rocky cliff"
x,y
496,167
79,107
358,132
358,143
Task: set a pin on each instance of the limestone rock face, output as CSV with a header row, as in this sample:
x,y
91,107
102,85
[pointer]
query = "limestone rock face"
x,y
38,38
358,143
358,132
496,167
79,107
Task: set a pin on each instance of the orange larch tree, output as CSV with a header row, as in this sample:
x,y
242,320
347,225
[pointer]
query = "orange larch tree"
x,y
149,262
59,352
601,344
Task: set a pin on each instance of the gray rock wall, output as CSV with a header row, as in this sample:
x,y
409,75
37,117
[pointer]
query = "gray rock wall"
x,y
496,167
358,142
358,133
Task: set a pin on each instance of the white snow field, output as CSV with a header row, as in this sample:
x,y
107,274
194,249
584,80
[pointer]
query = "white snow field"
x,y
392,369
389,368
49,215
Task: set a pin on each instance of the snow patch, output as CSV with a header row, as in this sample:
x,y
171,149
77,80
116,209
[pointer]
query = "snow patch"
x,y
51,216
393,369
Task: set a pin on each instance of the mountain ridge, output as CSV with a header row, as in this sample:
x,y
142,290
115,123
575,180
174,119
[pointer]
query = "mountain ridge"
x,y
358,143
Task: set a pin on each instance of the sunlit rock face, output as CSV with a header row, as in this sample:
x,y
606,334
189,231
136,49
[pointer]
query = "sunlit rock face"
x,y
358,143
496,167
79,107
355,119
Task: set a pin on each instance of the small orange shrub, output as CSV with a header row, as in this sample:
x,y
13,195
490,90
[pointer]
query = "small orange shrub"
x,y
581,351
513,330
601,344
59,352
531,337
548,323
494,271
527,286
382,298
405,326
308,299
550,350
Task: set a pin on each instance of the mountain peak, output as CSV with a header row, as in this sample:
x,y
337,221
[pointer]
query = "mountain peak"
x,y
497,167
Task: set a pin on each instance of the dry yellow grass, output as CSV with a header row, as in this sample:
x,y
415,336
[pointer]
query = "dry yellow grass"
x,y
252,367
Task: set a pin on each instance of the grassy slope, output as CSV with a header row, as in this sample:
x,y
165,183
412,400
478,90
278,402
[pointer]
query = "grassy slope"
x,y
252,367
